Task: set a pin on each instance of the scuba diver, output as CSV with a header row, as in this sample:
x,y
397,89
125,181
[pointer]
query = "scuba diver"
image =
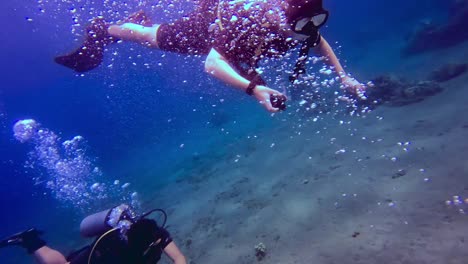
x,y
122,237
235,36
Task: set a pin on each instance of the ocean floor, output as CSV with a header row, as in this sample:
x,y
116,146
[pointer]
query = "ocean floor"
x,y
365,190
339,190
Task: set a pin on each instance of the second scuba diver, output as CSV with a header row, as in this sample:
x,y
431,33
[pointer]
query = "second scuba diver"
x,y
122,237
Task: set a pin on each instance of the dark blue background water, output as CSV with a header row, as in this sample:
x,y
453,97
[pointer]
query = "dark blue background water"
x,y
120,110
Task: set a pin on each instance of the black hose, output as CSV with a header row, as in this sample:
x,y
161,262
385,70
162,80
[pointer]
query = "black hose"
x,y
156,210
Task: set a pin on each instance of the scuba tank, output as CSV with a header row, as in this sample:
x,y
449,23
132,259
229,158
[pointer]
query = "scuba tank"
x,y
95,224
121,217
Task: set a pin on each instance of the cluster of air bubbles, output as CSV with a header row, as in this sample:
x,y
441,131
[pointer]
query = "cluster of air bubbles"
x,y
316,93
67,171
459,203
404,145
79,12
24,130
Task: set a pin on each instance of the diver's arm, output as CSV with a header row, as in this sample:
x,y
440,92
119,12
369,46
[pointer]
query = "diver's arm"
x,y
218,66
349,83
324,49
173,252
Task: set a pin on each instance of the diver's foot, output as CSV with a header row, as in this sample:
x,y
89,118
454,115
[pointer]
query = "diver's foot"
x,y
91,52
28,239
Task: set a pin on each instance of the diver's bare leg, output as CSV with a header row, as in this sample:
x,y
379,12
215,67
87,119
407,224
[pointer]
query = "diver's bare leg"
x,y
136,33
46,255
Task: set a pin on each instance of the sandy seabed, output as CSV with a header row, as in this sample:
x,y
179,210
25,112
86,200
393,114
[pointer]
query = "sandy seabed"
x,y
339,190
367,190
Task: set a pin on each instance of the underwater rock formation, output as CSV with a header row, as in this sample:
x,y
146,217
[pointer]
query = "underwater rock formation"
x,y
448,72
398,92
431,37
260,251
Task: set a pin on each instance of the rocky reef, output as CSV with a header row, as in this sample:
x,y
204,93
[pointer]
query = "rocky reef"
x,y
427,37
394,91
260,251
448,72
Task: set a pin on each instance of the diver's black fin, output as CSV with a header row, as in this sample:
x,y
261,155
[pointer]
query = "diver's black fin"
x,y
28,239
90,54
85,58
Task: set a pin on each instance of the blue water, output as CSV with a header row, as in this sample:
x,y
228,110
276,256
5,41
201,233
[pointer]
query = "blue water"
x,y
140,122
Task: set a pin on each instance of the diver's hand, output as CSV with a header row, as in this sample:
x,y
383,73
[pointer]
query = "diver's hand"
x,y
263,94
353,86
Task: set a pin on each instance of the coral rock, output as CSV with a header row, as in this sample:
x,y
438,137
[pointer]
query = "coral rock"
x,y
260,251
448,72
398,92
430,37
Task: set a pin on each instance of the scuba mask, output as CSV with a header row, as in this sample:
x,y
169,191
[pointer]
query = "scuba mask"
x,y
309,25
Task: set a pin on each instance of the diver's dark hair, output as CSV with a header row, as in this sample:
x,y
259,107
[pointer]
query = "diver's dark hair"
x,y
303,8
